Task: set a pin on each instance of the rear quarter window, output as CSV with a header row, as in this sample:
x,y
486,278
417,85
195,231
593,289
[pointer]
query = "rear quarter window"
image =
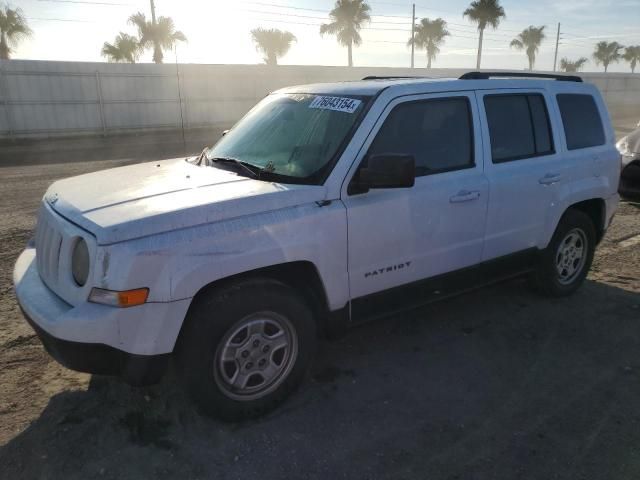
x,y
581,120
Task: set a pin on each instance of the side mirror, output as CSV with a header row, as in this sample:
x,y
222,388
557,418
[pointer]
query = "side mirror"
x,y
224,132
387,170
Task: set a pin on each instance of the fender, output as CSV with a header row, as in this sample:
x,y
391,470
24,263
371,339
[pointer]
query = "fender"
x,y
176,265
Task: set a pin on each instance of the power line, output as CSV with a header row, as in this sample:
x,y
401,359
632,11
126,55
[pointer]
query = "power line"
x,y
60,20
387,41
322,19
326,12
286,6
89,3
604,37
284,21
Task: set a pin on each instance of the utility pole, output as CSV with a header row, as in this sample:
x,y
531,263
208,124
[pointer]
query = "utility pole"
x,y
555,56
413,38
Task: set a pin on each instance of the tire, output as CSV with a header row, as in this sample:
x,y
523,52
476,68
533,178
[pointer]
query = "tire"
x,y
561,270
244,348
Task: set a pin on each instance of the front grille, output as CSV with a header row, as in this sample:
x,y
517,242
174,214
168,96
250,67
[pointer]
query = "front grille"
x,y
48,243
55,237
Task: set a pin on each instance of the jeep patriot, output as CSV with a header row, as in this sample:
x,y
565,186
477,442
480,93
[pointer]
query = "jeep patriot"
x,y
324,206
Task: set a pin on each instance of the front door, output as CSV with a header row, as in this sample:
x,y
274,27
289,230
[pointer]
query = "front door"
x,y
399,236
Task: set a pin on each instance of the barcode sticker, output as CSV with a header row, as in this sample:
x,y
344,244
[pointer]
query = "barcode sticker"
x,y
339,104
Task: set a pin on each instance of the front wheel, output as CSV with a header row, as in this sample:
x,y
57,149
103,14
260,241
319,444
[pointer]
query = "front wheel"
x,y
564,264
245,348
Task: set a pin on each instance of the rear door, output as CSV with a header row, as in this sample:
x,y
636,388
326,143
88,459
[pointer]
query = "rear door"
x,y
398,236
523,166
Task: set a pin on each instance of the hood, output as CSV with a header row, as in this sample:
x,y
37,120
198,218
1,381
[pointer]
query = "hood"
x,y
149,198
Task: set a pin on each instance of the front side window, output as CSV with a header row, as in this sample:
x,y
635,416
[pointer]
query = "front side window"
x,y
581,121
294,136
438,133
518,126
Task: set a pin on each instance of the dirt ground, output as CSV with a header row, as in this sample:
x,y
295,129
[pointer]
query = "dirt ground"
x,y
495,384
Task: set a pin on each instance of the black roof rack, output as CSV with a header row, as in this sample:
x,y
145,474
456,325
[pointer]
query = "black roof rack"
x,y
487,75
391,77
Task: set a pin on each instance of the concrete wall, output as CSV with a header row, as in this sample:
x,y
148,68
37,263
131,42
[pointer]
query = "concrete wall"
x,y
67,98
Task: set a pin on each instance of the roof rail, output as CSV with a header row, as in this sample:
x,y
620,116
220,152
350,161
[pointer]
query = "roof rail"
x,y
487,75
390,77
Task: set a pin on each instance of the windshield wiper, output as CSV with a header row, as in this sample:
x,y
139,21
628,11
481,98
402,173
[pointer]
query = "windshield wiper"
x,y
202,156
254,170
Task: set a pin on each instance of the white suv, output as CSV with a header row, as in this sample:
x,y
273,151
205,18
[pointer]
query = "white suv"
x,y
325,205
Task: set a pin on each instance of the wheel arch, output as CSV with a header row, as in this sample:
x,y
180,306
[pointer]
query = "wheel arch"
x,y
301,275
595,209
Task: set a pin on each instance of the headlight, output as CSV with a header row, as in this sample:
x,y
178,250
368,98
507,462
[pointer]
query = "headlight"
x,y
80,262
623,146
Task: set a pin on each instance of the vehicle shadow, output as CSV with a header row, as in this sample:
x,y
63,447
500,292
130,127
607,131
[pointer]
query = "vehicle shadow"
x,y
498,383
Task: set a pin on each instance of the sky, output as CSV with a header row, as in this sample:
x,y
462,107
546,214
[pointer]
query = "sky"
x,y
218,31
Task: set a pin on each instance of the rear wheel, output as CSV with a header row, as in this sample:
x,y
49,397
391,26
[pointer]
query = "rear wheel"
x,y
564,264
245,348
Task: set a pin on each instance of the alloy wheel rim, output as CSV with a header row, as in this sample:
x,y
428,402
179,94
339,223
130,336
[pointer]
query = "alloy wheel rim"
x,y
571,256
255,356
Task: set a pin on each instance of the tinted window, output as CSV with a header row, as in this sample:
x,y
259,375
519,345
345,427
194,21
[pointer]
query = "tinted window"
x,y
438,133
541,130
581,120
518,126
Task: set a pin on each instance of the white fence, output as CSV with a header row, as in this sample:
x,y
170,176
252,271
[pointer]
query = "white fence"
x,y
40,98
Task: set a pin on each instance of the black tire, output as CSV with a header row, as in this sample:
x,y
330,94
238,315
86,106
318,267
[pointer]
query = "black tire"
x,y
546,279
213,318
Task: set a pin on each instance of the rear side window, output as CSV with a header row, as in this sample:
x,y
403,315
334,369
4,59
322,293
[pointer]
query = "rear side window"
x,y
518,126
581,120
438,133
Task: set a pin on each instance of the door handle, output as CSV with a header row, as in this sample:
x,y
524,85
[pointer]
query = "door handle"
x,y
550,179
465,196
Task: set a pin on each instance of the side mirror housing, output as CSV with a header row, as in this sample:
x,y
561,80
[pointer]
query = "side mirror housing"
x,y
224,132
386,170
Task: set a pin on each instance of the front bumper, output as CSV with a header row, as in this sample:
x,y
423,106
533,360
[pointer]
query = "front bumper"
x,y
134,343
102,359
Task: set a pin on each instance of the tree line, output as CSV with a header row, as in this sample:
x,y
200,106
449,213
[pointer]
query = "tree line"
x,y
347,18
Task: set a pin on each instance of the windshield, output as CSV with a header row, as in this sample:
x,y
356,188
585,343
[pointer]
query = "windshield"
x,y
293,135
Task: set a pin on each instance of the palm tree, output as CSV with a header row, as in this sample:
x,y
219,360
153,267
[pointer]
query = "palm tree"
x,y
347,18
125,48
161,34
429,34
607,52
13,28
572,66
529,40
484,13
272,43
632,55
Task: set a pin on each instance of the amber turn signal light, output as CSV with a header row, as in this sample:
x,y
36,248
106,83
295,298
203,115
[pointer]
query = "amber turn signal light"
x,y
122,299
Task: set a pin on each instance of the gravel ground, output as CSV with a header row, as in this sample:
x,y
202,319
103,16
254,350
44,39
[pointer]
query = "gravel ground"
x,y
495,384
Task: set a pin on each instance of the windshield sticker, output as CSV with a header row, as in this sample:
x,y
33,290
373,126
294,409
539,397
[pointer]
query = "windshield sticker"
x,y
339,104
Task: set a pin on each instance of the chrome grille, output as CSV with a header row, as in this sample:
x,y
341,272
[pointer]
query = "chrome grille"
x,y
48,243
